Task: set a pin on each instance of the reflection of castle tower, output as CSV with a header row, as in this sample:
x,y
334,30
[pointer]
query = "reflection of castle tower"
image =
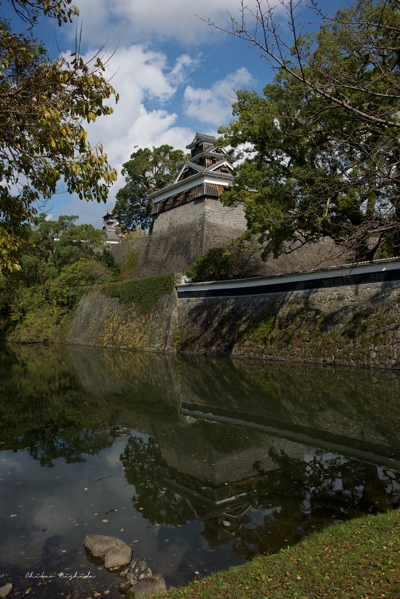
x,y
221,509
111,227
189,217
219,483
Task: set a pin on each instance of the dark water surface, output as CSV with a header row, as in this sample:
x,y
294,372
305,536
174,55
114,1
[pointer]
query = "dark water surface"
x,y
198,463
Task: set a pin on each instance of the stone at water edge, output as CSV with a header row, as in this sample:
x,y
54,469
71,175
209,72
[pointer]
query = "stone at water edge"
x,y
148,587
100,545
145,573
5,590
119,556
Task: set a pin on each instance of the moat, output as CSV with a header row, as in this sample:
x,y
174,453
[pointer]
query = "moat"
x,y
197,463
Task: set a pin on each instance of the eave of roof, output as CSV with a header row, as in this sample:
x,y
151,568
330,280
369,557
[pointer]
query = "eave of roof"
x,y
198,138
185,184
208,154
212,167
199,169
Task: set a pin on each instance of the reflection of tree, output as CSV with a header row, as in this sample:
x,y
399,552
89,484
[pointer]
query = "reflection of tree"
x,y
45,410
142,460
328,484
62,439
301,496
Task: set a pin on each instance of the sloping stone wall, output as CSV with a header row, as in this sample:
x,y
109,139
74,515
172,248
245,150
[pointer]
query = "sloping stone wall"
x,y
104,321
180,235
352,326
123,250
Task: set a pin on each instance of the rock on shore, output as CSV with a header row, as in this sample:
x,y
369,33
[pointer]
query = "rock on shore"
x,y
5,590
116,552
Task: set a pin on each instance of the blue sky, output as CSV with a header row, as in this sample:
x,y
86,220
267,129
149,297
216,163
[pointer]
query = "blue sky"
x,y
175,75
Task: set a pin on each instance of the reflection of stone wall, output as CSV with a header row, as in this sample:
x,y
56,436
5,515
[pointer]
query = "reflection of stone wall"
x,y
352,325
361,405
358,404
129,374
186,450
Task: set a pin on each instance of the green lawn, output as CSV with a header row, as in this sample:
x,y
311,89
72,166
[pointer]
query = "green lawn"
x,y
356,560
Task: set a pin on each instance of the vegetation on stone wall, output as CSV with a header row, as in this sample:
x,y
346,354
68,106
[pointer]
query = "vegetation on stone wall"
x,y
144,293
61,260
237,260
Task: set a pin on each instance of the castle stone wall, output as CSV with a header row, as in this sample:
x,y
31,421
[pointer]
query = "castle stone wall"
x,y
181,235
222,223
355,325
184,233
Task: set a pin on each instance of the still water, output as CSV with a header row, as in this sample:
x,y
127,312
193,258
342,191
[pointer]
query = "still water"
x,y
197,463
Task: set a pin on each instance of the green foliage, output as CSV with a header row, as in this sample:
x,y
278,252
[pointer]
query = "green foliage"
x,y
215,265
63,258
322,141
44,105
129,263
76,243
147,171
107,258
238,260
67,289
144,293
30,10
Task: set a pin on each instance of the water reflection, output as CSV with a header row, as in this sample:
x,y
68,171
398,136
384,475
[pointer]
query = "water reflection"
x,y
213,461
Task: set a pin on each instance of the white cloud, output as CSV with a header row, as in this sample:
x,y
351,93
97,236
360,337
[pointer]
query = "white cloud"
x,y
147,80
214,105
140,75
154,19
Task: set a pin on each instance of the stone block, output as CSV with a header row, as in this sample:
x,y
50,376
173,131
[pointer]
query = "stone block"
x,y
99,545
5,590
149,587
119,556
116,552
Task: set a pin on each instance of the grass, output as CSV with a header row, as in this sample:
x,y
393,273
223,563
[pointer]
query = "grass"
x,y
359,559
144,293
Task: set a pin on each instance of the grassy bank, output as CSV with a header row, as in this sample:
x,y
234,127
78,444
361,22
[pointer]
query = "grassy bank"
x,y
356,560
144,293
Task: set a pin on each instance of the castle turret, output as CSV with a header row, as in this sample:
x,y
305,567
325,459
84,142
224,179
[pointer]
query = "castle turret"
x,y
111,227
189,217
206,174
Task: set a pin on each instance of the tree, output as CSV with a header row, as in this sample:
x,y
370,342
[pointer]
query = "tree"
x,y
325,136
237,260
44,104
31,10
61,260
147,171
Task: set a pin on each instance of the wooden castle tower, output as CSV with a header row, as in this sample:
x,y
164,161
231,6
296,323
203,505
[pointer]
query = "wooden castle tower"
x,y
189,217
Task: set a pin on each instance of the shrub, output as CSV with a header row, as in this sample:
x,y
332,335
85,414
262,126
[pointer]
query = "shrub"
x,y
238,260
144,293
